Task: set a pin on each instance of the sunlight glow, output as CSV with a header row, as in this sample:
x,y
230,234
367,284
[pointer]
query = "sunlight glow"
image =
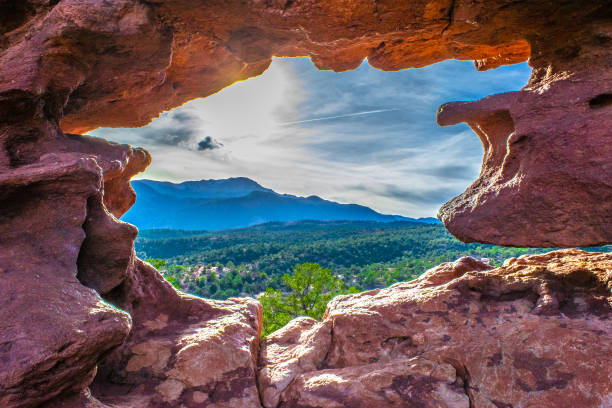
x,y
364,136
254,107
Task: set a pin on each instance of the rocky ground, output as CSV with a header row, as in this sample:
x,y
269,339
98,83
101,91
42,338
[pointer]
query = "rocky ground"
x,y
534,332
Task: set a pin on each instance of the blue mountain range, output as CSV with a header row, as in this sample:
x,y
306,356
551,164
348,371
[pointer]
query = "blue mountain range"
x,y
235,203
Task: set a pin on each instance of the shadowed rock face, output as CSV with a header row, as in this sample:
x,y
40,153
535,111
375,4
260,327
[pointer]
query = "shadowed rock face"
x,y
534,332
182,350
543,160
73,290
53,330
76,301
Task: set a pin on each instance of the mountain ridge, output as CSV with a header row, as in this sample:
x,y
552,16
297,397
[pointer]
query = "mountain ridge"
x,y
235,203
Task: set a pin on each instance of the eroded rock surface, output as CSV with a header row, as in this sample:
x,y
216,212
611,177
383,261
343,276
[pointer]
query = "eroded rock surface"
x,y
543,158
534,332
299,347
401,383
53,330
83,399
182,350
73,291
97,63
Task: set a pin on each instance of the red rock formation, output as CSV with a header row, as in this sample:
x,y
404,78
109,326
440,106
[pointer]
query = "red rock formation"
x,y
534,332
401,383
81,400
182,350
53,330
299,347
58,239
543,160
73,65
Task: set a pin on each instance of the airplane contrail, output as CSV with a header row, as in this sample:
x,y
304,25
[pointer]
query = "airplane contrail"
x,y
348,115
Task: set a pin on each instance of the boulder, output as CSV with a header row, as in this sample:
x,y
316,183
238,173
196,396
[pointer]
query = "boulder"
x,y
182,350
299,347
534,332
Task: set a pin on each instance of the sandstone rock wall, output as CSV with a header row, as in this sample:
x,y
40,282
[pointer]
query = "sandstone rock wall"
x,y
77,304
53,330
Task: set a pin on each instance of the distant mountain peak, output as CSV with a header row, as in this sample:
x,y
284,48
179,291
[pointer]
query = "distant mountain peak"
x,y
211,188
235,180
235,202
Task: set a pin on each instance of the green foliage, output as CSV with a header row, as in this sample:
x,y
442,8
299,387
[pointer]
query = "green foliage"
x,y
174,282
158,264
253,261
275,313
308,290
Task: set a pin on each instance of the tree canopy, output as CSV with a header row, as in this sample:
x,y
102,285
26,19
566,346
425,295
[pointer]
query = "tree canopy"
x,y
308,290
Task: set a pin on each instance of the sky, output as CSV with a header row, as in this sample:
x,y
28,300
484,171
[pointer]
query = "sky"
x,y
363,136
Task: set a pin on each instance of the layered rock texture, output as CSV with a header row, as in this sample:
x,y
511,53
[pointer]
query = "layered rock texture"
x,y
182,350
533,333
84,323
77,302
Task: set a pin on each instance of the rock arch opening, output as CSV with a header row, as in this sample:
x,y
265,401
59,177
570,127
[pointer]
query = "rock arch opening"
x,y
364,136
158,56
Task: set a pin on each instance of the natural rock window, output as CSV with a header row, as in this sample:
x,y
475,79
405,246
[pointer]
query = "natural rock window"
x,y
534,332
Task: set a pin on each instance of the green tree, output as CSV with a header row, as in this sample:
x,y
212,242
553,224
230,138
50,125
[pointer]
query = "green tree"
x,y
157,263
308,291
174,282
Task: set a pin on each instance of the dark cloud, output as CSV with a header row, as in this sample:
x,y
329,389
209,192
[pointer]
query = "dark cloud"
x,y
180,129
175,137
185,117
208,144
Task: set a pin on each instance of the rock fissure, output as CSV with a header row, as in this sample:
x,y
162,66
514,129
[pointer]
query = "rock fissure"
x,y
464,374
450,15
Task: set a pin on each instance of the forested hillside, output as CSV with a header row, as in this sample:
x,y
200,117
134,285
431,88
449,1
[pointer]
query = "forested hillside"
x,y
365,255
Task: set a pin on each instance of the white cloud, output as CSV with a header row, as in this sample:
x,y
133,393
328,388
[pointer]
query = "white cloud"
x,y
301,131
